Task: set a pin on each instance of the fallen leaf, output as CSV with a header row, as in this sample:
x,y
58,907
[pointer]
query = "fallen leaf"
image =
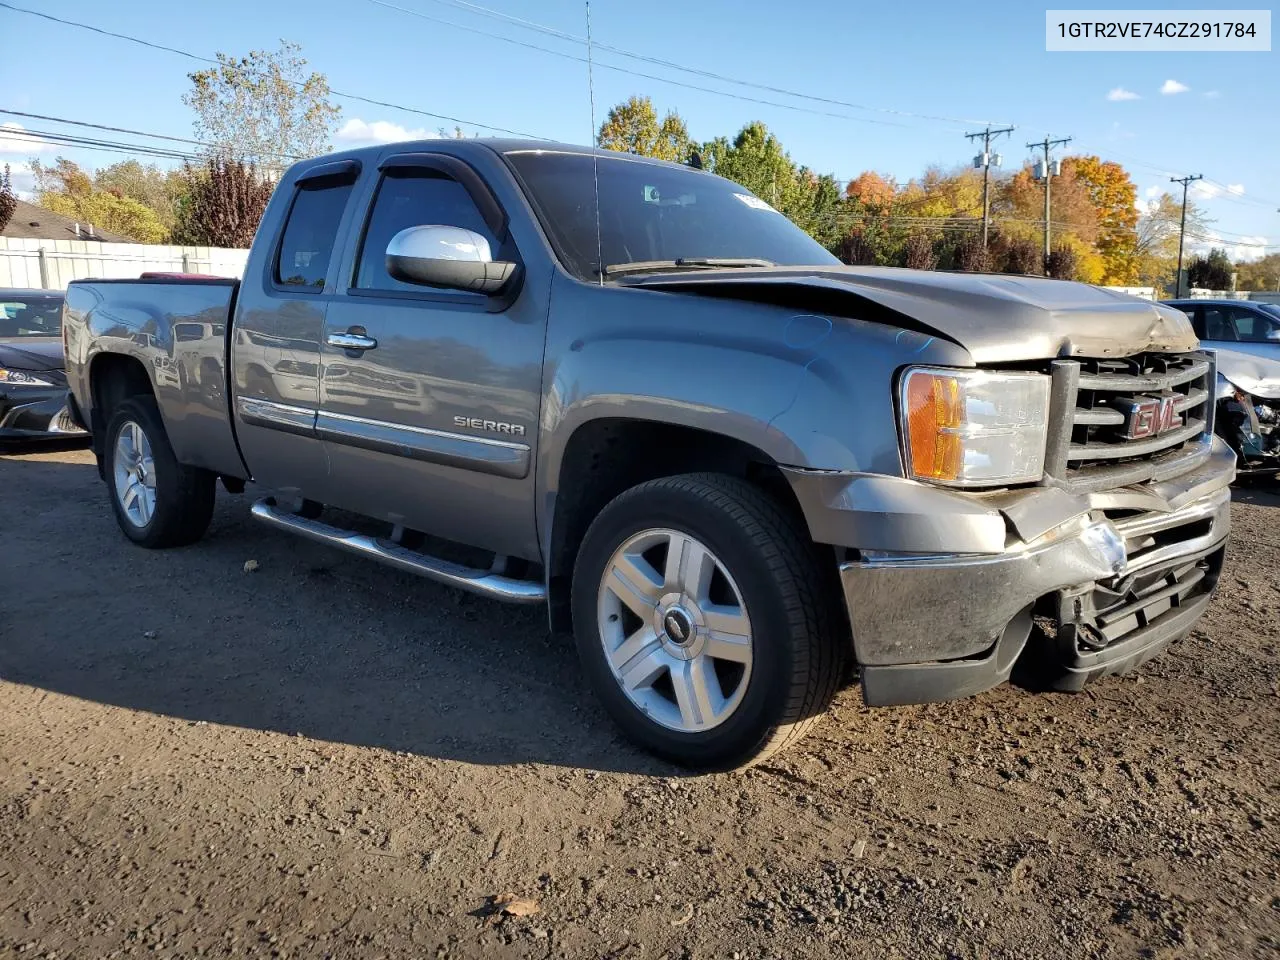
x,y
250,566
512,905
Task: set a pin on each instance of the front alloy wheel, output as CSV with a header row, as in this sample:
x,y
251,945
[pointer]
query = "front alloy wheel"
x,y
703,615
675,630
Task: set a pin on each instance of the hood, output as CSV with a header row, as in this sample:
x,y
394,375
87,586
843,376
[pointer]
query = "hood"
x,y
31,353
1254,375
997,318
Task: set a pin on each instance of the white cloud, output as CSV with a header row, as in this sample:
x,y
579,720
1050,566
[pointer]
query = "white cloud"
x,y
357,132
1173,86
1238,248
14,138
1120,93
1211,94
1204,190
1154,191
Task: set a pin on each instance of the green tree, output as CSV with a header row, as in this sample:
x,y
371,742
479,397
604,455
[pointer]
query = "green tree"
x,y
756,159
1212,272
1157,231
8,199
67,189
633,127
224,204
264,108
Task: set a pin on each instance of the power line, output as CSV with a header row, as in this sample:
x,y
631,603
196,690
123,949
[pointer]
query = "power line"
x,y
100,126
337,93
695,71
634,73
107,146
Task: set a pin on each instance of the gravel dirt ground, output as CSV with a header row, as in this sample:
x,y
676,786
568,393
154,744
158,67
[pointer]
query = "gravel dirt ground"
x,y
327,758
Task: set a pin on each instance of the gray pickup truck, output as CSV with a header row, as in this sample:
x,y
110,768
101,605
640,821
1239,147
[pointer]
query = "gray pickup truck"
x,y
731,465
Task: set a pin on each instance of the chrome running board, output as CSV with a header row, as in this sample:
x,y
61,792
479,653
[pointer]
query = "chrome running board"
x,y
484,582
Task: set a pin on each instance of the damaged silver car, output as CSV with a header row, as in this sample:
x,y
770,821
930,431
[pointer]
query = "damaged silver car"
x,y
1248,414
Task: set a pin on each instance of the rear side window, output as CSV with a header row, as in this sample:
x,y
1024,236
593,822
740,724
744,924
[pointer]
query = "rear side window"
x,y
413,198
310,235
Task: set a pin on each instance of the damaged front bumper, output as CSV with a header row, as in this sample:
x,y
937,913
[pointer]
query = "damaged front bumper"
x,y
942,602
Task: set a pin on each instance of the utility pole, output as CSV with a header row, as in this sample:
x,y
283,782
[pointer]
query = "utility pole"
x,y
1182,231
984,160
1050,170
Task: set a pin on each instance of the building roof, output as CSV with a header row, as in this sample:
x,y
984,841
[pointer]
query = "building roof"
x,y
31,222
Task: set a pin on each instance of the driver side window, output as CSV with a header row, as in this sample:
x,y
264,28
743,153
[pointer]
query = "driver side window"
x,y
1252,327
412,198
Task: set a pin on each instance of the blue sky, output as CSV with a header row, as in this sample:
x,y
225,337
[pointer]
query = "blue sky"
x,y
943,59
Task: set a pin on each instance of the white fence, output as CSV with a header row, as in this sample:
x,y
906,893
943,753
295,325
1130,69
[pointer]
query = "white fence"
x,y
52,264
1146,293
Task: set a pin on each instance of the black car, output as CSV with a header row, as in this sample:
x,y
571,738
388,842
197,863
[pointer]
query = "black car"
x,y
33,383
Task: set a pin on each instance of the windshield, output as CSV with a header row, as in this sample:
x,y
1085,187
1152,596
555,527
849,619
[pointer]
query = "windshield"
x,y
1271,308
650,212
30,316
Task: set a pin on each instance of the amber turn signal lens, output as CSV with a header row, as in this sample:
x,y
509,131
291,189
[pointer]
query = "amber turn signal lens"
x,y
935,410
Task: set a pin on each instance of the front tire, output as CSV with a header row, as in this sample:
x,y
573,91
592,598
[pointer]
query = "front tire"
x,y
703,616
158,502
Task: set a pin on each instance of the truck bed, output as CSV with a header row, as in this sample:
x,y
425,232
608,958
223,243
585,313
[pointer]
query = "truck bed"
x,y
177,331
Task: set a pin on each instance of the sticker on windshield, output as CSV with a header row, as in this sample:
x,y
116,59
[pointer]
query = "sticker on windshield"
x,y
755,203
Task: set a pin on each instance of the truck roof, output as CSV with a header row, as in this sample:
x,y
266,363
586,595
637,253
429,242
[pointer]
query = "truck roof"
x,y
463,146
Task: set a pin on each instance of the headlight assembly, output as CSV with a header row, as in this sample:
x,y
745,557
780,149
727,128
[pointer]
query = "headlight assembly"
x,y
973,428
21,378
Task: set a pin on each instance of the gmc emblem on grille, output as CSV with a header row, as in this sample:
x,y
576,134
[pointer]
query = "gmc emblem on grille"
x,y
1148,416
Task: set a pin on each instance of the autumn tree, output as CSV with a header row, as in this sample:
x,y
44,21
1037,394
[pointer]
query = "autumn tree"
x,y
263,109
941,194
633,127
8,199
871,190
67,189
1018,206
159,190
1114,198
1260,274
1212,272
225,203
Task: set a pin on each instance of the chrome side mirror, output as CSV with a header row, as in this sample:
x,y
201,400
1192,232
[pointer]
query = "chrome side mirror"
x,y
451,257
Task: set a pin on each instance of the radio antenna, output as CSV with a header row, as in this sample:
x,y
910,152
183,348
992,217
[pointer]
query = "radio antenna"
x,y
595,147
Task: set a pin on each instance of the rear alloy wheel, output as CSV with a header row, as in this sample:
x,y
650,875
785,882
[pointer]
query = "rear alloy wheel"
x,y
134,473
703,616
158,502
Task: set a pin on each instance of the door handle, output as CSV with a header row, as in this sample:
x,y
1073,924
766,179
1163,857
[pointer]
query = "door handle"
x,y
351,341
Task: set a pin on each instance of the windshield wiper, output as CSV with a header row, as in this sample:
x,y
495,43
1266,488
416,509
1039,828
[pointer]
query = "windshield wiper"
x,y
684,263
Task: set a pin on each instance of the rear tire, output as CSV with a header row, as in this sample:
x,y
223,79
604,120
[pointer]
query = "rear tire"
x,y
760,578
158,502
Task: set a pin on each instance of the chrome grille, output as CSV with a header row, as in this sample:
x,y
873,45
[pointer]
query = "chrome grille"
x,y
1095,398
